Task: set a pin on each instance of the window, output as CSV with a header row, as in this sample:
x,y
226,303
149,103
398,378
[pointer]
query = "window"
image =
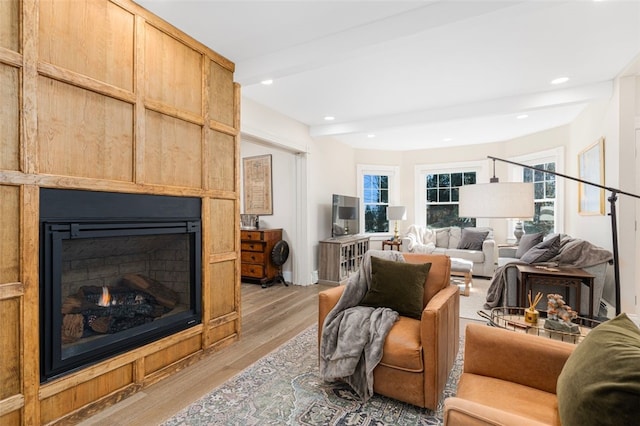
x,y
544,189
438,189
377,190
376,201
443,197
548,213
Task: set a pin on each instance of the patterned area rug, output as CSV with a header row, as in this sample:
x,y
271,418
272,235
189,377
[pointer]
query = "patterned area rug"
x,y
284,387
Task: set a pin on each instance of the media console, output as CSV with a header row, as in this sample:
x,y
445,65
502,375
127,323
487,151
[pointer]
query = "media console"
x,y
340,257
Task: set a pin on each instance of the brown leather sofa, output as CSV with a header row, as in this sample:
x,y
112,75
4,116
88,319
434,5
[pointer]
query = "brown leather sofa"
x,y
508,378
418,354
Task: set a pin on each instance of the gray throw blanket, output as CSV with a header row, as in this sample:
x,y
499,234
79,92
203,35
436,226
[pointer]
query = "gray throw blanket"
x,y
353,336
574,253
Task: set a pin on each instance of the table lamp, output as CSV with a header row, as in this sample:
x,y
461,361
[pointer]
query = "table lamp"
x,y
346,213
396,213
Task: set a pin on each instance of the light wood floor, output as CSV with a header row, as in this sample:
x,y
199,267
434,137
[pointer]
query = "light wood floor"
x,y
270,317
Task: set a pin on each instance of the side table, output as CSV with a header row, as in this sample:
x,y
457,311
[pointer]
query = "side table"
x,y
565,277
392,244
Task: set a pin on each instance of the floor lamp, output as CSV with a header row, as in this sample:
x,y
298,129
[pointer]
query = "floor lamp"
x,y
612,202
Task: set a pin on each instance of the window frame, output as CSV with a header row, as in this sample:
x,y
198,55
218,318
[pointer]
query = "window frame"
x,y
421,172
554,155
393,175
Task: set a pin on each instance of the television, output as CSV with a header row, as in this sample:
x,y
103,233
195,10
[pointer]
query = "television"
x,y
345,215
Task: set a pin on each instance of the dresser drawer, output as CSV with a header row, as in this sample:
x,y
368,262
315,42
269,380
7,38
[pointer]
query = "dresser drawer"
x,y
252,257
252,246
252,270
251,235
255,256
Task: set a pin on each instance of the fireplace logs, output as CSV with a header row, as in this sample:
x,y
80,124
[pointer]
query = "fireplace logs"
x,y
136,300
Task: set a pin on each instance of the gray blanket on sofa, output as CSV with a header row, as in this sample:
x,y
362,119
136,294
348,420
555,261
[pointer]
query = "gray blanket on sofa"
x,y
353,336
574,253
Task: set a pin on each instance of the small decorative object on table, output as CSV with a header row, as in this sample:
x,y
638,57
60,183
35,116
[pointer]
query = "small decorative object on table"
x,y
559,315
249,221
512,318
531,314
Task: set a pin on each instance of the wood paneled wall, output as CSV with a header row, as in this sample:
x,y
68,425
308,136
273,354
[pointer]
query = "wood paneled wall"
x,y
103,95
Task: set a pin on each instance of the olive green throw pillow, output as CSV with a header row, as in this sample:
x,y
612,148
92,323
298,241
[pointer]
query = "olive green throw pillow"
x,y
600,382
397,285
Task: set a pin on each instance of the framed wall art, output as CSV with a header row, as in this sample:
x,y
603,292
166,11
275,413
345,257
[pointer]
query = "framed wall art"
x,y
591,169
257,185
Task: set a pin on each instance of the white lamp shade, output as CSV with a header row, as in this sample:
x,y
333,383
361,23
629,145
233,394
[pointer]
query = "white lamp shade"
x,y
512,200
397,213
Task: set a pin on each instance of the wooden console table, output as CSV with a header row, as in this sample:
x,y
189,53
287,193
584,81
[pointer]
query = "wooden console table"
x,y
340,257
529,276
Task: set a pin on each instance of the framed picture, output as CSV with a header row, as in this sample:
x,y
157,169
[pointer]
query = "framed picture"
x,y
591,169
257,185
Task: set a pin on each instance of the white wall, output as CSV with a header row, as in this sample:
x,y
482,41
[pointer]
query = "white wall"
x,y
330,167
283,168
301,165
618,121
614,120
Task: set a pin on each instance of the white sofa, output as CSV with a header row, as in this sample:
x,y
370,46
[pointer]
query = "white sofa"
x,y
421,239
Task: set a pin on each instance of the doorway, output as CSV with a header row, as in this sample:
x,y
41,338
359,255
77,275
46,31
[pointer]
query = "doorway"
x,y
289,191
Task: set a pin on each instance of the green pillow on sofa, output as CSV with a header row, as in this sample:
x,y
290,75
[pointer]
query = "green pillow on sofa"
x,y
600,382
397,285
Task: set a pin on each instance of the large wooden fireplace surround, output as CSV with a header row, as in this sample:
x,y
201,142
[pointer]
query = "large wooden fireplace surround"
x,y
102,95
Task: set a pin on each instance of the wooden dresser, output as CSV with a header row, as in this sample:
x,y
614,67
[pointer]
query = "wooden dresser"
x,y
256,246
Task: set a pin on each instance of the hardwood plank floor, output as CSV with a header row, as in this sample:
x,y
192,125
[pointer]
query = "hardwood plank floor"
x,y
270,317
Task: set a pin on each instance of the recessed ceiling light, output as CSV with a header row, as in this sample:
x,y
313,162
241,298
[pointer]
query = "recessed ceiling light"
x,y
447,140
371,135
268,82
559,80
329,117
522,116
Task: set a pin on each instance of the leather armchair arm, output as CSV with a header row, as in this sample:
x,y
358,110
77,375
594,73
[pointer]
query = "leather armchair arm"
x,y
327,299
529,360
459,411
440,326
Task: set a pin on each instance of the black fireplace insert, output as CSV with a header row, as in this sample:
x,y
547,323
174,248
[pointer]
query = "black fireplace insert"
x,y
117,271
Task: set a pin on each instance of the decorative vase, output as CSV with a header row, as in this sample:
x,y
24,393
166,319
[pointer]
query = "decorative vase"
x,y
531,316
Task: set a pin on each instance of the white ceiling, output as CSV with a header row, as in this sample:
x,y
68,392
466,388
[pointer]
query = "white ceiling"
x,y
418,74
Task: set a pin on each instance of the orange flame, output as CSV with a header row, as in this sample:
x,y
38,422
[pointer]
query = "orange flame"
x,y
105,300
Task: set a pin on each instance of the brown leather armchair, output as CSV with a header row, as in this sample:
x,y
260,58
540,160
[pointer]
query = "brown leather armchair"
x,y
509,378
418,354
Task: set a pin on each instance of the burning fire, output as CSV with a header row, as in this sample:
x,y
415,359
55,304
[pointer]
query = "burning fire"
x,y
105,300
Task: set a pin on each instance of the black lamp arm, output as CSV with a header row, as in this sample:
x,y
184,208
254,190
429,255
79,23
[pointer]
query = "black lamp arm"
x,y
608,188
612,212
